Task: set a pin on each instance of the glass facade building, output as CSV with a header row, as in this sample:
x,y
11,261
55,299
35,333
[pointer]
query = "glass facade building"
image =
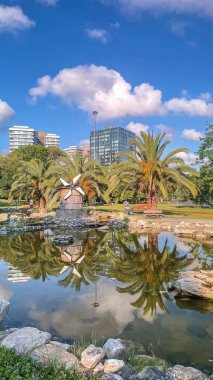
x,y
106,143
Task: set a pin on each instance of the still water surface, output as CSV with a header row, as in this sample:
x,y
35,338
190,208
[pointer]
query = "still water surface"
x,y
110,284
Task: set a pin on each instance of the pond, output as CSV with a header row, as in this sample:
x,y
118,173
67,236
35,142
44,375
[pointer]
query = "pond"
x,y
109,284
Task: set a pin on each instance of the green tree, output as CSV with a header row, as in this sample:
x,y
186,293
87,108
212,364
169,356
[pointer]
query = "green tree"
x,y
205,181
10,163
151,170
39,152
34,179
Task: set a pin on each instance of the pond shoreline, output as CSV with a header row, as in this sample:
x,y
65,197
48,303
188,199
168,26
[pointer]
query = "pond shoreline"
x,y
117,359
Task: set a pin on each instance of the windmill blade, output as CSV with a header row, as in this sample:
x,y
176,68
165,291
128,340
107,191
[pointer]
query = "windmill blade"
x,y
68,256
75,179
76,273
80,259
64,182
64,269
79,189
68,195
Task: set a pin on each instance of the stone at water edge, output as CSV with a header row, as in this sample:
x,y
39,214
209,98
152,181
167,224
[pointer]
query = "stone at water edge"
x,y
113,365
180,372
51,353
4,308
5,333
62,346
117,348
92,356
26,339
150,373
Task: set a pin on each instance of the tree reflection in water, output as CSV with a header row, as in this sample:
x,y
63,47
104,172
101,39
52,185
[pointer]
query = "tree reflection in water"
x,y
32,255
133,260
146,269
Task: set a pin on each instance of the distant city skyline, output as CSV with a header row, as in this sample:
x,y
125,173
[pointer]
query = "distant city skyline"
x,y
142,65
22,135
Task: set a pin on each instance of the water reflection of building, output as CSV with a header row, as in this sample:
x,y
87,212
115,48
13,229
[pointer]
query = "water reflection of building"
x,y
15,275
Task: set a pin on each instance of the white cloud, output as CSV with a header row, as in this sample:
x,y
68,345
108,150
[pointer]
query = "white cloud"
x,y
6,112
48,2
179,27
13,19
206,96
201,8
191,107
189,158
137,127
97,87
85,142
98,34
167,130
192,134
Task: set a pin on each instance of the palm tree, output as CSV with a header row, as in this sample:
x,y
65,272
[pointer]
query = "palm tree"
x,y
108,181
149,169
34,179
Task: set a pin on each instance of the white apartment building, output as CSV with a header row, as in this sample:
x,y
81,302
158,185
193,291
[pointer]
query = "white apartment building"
x,y
74,149
51,139
20,136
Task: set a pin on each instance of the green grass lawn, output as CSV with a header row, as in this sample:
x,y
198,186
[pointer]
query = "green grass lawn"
x,y
5,204
169,210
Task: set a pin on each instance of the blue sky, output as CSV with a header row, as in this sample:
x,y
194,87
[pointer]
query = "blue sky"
x,y
141,64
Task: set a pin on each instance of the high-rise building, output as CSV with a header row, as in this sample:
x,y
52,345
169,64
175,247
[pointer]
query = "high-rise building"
x,y
51,139
20,136
74,149
106,143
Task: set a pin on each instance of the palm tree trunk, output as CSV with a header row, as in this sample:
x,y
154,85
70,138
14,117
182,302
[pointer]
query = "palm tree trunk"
x,y
42,205
152,199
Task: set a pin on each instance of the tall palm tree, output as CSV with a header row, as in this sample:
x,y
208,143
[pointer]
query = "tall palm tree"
x,y
34,179
152,170
108,180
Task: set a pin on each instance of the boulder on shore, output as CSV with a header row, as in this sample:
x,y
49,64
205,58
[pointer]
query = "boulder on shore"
x,y
117,348
26,339
53,353
194,284
4,308
92,356
180,372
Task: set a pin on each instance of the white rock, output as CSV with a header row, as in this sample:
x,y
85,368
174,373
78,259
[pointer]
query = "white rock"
x,y
26,339
113,365
180,372
4,308
117,348
92,356
51,353
99,368
63,346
